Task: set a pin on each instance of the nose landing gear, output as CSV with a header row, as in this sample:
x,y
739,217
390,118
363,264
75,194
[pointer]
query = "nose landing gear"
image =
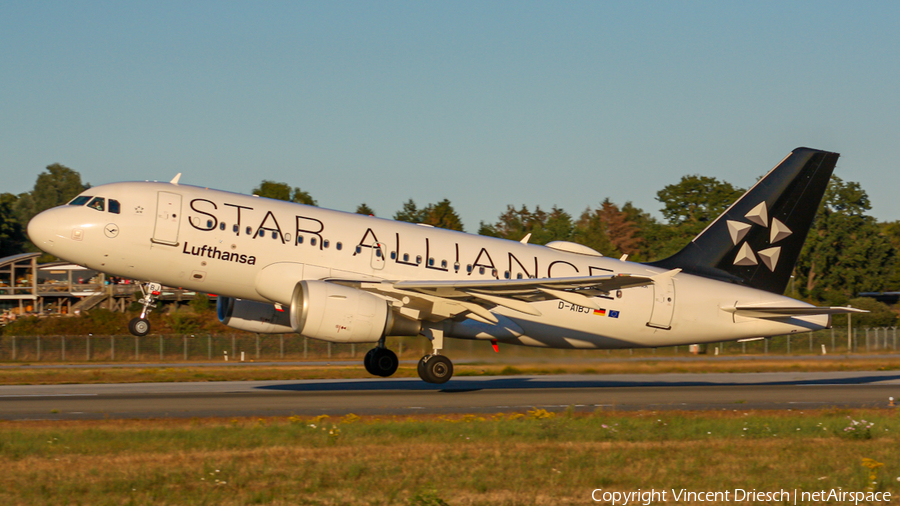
x,y
140,325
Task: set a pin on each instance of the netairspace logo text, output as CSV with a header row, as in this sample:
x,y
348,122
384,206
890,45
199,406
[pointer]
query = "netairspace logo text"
x,y
738,495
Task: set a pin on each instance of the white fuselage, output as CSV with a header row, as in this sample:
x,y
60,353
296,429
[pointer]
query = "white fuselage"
x,y
220,242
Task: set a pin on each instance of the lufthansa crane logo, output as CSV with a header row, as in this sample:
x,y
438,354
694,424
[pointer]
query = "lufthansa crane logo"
x,y
111,230
777,231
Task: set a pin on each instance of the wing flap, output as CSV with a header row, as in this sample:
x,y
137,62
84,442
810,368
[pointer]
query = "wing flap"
x,y
438,300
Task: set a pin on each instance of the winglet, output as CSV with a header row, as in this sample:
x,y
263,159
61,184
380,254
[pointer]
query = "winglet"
x,y
175,179
525,239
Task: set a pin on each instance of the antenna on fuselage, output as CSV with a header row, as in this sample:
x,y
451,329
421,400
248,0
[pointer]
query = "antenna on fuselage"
x,y
175,179
525,239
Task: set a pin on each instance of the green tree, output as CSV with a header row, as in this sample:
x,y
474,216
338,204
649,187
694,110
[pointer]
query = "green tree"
x,y
879,314
891,230
55,186
845,252
409,213
283,191
12,233
591,231
365,209
514,224
441,215
303,197
557,227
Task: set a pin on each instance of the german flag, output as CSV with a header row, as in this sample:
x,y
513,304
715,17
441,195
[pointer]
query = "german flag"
x,y
599,312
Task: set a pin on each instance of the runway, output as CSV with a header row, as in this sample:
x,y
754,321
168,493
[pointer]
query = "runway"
x,y
716,391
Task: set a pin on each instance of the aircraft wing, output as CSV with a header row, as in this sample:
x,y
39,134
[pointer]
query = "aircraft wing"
x,y
438,300
784,312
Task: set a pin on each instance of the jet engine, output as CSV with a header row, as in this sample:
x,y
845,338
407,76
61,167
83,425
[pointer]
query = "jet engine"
x,y
253,316
342,314
321,310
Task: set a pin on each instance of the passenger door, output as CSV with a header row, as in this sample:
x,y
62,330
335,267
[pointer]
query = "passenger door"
x,y
168,218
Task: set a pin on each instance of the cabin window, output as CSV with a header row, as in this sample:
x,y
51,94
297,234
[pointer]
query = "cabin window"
x,y
378,252
469,268
262,233
325,242
494,272
393,255
80,201
431,262
418,259
506,274
209,223
456,266
481,270
234,228
274,234
312,241
114,206
358,250
299,239
406,257
519,276
222,226
98,203
338,246
249,230
443,264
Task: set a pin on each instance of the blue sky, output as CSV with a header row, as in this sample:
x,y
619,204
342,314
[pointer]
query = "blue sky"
x,y
483,103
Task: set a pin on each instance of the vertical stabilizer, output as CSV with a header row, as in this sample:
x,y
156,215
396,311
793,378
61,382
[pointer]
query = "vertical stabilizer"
x,y
757,240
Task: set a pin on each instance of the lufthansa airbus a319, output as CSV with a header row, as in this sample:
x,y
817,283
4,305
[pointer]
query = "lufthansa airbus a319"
x,y
281,267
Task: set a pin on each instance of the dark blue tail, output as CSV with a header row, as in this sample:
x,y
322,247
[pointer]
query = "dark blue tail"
x,y
757,240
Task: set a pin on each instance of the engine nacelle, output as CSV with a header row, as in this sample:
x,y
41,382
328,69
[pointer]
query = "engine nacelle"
x,y
338,313
253,316
320,310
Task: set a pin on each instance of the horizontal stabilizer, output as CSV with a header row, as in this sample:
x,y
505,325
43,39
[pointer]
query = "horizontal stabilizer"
x,y
785,312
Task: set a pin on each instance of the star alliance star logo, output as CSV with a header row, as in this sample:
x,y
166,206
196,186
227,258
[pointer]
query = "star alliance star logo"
x,y
777,231
138,210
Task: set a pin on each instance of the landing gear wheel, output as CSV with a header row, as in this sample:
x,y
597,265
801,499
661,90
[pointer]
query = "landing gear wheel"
x,y
421,367
381,362
139,326
435,369
367,361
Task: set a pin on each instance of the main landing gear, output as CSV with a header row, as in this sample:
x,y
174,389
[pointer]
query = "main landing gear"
x,y
140,325
435,368
380,361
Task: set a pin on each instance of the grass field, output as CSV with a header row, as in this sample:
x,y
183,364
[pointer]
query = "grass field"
x,y
506,459
25,375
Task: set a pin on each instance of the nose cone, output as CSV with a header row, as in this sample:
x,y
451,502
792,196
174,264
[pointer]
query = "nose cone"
x,y
43,228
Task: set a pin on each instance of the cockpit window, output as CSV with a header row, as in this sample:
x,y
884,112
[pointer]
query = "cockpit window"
x,y
80,200
114,206
99,203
